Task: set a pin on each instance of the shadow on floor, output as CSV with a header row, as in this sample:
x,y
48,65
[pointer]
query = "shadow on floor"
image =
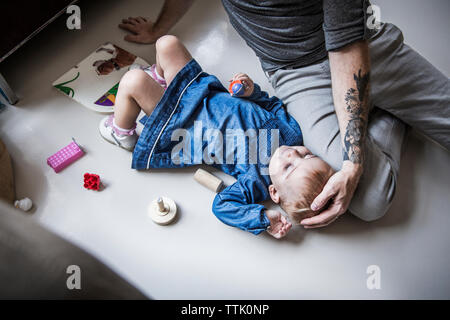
x,y
24,169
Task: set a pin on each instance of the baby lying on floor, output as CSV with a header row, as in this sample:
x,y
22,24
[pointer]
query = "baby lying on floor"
x,y
192,119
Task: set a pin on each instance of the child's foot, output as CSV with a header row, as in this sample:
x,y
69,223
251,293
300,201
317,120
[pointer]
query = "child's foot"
x,y
124,138
152,72
279,226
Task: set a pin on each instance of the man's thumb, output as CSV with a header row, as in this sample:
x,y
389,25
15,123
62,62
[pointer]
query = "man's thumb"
x,y
320,201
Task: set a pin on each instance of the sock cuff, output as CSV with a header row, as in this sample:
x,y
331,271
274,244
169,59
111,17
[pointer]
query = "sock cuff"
x,y
122,129
158,76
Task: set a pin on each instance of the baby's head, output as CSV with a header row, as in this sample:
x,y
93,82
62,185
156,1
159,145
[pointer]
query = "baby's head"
x,y
297,177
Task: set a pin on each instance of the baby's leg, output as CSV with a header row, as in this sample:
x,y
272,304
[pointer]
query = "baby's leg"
x,y
139,91
171,57
136,91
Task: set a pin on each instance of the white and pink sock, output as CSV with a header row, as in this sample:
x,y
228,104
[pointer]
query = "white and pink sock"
x,y
118,130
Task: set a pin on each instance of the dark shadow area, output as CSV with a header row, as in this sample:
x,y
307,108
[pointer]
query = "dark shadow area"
x,y
41,265
29,179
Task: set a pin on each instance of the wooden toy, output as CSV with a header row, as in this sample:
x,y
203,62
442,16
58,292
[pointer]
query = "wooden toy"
x,y
208,180
162,210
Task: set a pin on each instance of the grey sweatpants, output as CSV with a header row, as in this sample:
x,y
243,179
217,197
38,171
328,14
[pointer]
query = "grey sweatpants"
x,y
405,88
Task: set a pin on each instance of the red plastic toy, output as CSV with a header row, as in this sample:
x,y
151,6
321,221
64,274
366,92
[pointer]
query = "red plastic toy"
x,y
92,181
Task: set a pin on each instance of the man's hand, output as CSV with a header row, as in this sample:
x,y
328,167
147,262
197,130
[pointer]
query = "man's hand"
x,y
279,226
338,193
141,29
145,31
246,82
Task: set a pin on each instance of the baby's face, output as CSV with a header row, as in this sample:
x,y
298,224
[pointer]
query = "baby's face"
x,y
290,167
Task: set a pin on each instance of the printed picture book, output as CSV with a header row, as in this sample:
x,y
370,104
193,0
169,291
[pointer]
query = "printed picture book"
x,y
94,81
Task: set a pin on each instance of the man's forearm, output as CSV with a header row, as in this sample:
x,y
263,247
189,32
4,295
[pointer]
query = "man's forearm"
x,y
171,12
350,74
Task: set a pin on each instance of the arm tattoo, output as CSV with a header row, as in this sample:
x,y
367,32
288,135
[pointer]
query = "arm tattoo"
x,y
356,127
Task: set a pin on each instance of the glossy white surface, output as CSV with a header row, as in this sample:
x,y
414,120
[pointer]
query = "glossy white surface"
x,y
198,256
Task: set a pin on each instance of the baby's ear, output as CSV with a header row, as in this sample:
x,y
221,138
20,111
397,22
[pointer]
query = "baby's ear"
x,y
274,194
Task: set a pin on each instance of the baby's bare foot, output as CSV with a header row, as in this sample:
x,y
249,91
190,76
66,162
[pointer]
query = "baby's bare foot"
x,y
279,226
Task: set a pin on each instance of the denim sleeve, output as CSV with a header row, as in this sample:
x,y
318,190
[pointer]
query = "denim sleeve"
x,y
261,98
344,22
236,205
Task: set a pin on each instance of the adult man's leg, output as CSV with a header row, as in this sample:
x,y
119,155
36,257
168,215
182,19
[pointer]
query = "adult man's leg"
x,y
408,86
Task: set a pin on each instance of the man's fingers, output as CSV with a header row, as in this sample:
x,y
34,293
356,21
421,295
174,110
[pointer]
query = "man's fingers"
x,y
321,218
321,225
128,27
135,20
129,20
321,200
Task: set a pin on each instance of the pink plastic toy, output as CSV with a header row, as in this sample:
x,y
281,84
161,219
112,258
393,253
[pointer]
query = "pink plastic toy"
x,y
65,156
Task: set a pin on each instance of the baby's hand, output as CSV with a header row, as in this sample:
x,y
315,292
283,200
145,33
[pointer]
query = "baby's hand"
x,y
246,82
279,226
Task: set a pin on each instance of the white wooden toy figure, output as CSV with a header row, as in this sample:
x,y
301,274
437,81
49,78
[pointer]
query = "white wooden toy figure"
x,y
162,210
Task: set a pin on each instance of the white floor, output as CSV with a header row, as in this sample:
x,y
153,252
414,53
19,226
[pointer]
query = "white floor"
x,y
198,256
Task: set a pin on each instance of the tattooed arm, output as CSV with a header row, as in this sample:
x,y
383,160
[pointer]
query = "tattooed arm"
x,y
350,75
354,119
